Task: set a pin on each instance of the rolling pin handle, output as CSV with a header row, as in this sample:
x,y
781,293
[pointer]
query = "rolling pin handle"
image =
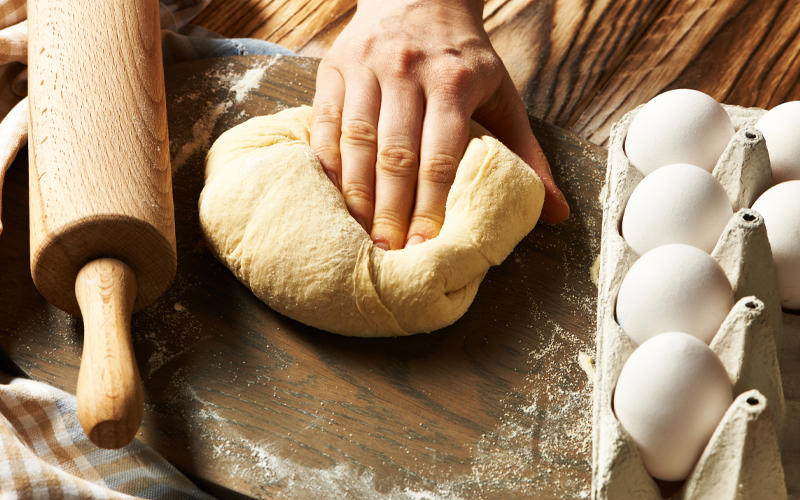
x,y
110,401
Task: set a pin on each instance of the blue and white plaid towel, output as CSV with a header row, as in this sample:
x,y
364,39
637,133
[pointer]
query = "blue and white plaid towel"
x,y
44,454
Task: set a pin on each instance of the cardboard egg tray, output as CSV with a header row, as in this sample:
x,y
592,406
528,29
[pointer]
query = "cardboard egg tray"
x,y
744,456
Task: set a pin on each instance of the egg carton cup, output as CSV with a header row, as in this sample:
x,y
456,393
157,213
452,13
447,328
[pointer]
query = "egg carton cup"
x,y
743,458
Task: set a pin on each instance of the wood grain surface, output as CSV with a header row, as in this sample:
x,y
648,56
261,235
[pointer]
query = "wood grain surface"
x,y
100,186
244,400
109,390
739,52
583,65
100,177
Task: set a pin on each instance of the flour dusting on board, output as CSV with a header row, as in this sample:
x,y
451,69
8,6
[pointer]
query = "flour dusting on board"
x,y
248,82
233,88
201,135
167,327
549,424
269,467
525,456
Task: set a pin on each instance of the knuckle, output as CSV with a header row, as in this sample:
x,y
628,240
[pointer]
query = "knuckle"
x,y
397,161
327,112
488,61
427,223
329,151
359,132
329,157
439,169
360,49
347,48
357,195
404,60
455,78
388,222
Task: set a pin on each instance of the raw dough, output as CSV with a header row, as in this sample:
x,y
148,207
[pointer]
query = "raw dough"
x,y
273,217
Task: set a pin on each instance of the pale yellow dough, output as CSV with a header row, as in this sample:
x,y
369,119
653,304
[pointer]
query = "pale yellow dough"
x,y
271,215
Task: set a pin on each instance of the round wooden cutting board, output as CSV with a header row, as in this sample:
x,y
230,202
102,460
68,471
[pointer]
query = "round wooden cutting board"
x,y
248,402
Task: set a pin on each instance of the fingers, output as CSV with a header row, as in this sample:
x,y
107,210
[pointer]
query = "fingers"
x,y
444,137
399,130
392,146
326,122
506,118
358,145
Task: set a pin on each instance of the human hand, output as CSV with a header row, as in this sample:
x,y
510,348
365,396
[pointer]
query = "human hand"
x,y
391,114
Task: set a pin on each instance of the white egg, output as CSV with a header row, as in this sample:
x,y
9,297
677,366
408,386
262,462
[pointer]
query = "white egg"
x,y
781,129
780,207
679,126
678,203
671,394
674,288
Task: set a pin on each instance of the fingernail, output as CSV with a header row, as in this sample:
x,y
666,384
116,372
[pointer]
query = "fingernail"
x,y
333,179
415,240
361,223
382,245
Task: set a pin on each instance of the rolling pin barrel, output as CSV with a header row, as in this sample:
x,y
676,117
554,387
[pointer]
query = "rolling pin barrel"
x,y
100,188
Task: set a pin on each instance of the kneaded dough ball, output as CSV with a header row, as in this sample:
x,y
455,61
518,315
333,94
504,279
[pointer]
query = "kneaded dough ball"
x,y
270,214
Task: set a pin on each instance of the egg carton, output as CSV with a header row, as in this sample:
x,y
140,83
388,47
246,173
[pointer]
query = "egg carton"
x,y
743,457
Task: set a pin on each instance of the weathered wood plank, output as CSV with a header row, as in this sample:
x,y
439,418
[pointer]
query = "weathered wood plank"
x,y
582,65
558,52
307,27
740,52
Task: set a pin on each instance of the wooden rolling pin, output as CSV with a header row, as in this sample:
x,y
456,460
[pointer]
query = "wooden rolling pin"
x,y
101,216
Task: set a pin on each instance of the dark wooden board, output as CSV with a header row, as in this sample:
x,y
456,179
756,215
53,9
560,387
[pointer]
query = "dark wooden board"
x,y
245,400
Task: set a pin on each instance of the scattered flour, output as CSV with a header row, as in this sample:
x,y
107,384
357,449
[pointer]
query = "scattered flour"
x,y
167,327
541,447
552,426
586,362
201,134
248,82
237,88
295,480
595,271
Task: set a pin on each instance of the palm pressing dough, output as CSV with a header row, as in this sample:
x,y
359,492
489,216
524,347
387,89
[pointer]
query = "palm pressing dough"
x,y
270,214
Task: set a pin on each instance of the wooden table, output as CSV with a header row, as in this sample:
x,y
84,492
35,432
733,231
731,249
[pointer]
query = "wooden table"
x,y
582,65
248,402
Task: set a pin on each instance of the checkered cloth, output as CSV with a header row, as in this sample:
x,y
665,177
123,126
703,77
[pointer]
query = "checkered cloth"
x,y
44,453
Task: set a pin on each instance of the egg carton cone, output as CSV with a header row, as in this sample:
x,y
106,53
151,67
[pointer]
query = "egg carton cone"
x,y
755,450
